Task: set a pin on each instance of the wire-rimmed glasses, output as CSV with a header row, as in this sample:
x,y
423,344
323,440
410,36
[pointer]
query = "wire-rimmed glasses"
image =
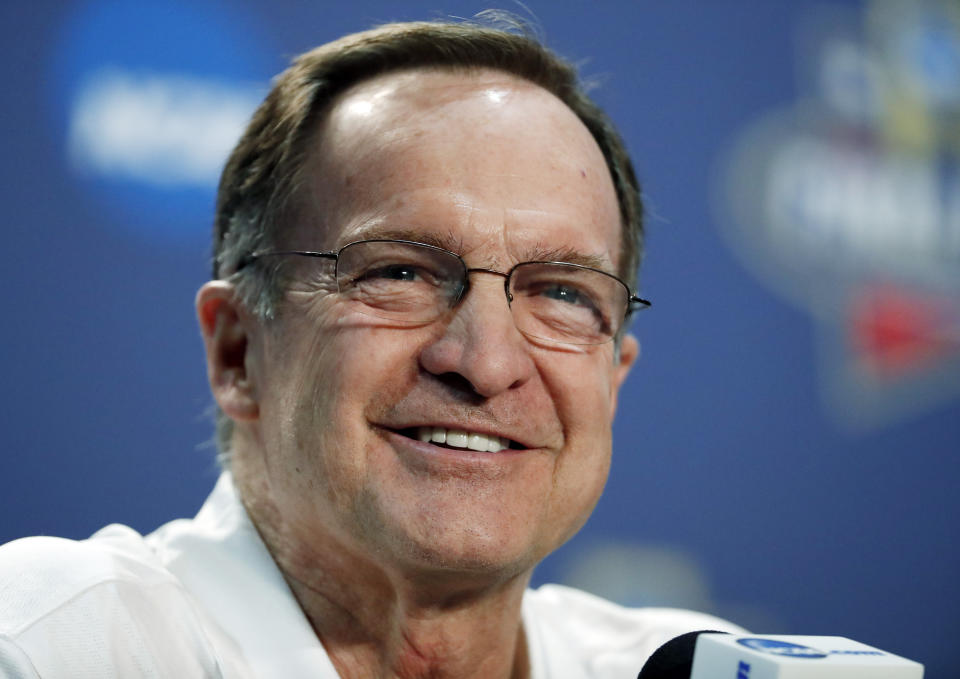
x,y
417,283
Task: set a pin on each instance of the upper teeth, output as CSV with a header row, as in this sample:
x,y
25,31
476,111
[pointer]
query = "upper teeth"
x,y
457,438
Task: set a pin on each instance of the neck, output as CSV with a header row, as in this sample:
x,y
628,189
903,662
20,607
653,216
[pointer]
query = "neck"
x,y
405,632
392,621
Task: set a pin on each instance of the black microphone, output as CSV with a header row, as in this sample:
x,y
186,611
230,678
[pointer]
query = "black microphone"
x,y
673,660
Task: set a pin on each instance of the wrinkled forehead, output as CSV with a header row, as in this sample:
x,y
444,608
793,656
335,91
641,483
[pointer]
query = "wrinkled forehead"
x,y
484,139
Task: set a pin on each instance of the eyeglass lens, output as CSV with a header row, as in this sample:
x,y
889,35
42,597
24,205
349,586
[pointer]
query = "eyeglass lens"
x,y
415,283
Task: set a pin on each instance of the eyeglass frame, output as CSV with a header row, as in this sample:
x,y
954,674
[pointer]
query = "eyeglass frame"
x,y
634,302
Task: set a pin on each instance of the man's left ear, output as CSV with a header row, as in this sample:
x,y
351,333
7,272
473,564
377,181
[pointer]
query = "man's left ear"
x,y
629,351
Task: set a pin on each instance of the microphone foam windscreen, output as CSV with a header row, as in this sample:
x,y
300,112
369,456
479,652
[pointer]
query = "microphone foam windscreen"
x,y
673,660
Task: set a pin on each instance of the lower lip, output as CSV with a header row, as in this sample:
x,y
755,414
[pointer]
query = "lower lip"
x,y
426,456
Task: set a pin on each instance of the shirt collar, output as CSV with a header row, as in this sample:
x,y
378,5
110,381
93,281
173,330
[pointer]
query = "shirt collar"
x,y
224,564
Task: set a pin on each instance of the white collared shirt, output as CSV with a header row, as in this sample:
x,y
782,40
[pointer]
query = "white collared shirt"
x,y
203,597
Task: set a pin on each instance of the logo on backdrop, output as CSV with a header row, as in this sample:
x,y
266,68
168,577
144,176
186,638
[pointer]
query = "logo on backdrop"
x,y
148,98
848,203
782,648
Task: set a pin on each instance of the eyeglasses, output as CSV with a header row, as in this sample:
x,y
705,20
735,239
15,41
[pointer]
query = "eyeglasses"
x,y
417,283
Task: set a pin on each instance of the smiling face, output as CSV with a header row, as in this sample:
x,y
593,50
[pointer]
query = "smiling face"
x,y
499,171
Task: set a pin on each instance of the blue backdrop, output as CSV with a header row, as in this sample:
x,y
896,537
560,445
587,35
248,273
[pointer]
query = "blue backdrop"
x,y
786,454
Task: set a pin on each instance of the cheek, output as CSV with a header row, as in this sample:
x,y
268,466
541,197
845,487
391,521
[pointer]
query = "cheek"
x,y
321,385
580,386
585,413
334,357
348,376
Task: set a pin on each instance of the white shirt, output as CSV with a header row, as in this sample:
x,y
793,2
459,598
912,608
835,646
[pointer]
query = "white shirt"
x,y
202,597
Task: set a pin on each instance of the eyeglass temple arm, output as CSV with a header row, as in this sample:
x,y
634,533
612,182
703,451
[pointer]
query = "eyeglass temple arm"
x,y
253,256
636,303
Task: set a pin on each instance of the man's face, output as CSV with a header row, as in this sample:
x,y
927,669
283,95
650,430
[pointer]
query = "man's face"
x,y
500,172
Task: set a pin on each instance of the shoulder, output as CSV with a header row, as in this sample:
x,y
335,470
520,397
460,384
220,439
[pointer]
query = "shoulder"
x,y
39,574
69,605
566,608
600,637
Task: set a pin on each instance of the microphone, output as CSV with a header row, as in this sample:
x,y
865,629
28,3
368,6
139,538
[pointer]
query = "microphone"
x,y
717,655
673,660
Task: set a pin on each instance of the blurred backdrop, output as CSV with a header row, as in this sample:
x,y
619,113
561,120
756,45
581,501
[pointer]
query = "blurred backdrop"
x,y
786,453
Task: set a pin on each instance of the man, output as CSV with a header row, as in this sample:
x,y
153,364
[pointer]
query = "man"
x,y
425,252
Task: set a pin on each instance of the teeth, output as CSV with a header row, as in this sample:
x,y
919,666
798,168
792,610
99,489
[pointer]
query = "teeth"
x,y
478,442
457,438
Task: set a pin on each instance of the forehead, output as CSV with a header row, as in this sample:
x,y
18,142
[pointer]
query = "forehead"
x,y
484,155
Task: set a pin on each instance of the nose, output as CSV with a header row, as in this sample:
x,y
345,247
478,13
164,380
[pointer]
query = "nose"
x,y
480,343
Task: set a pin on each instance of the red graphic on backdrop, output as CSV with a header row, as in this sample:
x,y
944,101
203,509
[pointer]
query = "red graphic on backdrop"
x,y
896,332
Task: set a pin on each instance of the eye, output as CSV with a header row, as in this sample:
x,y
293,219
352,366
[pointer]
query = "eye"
x,y
563,301
396,273
393,272
566,293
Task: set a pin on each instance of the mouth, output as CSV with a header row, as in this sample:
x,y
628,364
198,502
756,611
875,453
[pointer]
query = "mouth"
x,y
460,439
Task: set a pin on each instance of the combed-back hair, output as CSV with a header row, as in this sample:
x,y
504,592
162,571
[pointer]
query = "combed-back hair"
x,y
262,174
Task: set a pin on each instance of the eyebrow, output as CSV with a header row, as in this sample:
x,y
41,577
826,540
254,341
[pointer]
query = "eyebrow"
x,y
542,253
446,241
449,241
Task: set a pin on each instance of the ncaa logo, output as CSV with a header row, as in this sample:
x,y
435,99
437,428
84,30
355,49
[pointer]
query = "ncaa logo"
x,y
847,202
781,648
147,98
